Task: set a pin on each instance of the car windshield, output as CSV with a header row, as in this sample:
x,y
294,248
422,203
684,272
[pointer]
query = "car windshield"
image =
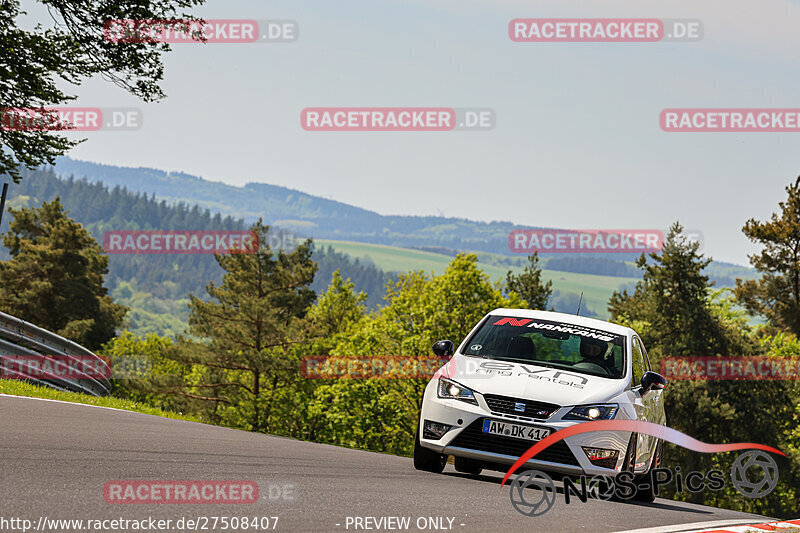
x,y
552,344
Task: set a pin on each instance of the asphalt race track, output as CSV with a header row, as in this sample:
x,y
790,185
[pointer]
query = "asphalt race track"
x,y
56,458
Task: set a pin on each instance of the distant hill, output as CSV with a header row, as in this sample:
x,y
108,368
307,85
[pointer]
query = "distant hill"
x,y
366,246
321,218
304,213
156,286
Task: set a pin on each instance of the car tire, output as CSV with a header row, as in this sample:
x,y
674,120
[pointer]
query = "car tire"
x,y
640,480
468,466
647,495
427,460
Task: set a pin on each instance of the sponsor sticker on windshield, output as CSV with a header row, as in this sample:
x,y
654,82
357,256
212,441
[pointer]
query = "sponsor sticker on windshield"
x,y
557,327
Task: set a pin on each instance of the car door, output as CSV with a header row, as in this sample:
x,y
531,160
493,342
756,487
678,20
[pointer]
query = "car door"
x,y
656,397
657,415
646,407
652,404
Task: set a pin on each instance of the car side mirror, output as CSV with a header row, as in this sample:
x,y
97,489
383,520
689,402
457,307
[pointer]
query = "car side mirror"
x,y
443,348
652,381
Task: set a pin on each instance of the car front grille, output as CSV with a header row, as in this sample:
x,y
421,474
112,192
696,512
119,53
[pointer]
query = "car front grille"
x,y
473,438
504,404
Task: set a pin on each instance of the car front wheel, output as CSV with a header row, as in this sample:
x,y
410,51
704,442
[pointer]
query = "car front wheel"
x,y
427,460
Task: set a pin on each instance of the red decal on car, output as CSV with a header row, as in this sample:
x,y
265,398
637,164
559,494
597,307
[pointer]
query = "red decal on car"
x,y
512,321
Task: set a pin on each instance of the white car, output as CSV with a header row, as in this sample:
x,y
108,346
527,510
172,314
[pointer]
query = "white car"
x,y
521,375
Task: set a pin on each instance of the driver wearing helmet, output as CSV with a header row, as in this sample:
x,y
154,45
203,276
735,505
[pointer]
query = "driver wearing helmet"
x,y
593,355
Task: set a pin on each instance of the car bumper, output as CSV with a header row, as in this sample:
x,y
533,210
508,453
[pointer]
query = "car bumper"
x,y
466,439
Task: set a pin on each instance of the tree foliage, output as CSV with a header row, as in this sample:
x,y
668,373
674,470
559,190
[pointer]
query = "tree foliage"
x,y
55,276
529,286
35,64
155,286
672,297
776,295
250,322
677,314
382,414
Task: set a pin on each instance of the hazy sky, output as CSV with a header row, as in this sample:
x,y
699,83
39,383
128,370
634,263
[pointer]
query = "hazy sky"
x,y
577,143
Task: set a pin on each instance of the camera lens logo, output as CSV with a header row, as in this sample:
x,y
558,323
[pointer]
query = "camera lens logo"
x,y
754,474
540,501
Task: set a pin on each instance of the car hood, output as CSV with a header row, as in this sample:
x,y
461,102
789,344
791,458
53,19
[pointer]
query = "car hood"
x,y
531,382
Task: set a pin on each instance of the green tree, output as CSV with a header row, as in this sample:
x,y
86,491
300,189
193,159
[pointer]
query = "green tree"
x,y
302,412
35,63
55,276
529,286
248,326
138,364
776,295
336,310
676,313
672,298
382,414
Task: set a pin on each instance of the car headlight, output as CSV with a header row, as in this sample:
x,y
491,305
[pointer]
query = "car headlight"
x,y
454,391
603,411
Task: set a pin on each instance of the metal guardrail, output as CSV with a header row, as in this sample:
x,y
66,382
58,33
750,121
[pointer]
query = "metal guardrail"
x,y
19,338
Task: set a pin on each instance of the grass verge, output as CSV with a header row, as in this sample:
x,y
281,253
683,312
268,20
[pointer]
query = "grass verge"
x,y
22,388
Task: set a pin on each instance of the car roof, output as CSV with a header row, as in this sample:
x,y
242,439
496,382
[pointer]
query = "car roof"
x,y
574,320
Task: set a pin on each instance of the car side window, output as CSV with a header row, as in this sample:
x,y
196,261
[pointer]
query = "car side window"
x,y
637,362
647,366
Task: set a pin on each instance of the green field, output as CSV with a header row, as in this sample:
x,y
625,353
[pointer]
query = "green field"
x,y
596,289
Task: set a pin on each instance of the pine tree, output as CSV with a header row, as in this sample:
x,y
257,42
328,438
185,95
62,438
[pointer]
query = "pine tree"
x,y
672,310
529,286
55,276
672,296
777,294
251,320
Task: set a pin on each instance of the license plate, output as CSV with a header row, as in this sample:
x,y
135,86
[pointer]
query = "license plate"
x,y
517,431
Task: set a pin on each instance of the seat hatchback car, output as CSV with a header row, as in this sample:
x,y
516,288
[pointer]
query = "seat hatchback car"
x,y
521,375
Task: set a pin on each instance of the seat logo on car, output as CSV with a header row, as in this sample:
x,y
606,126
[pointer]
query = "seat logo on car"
x,y
519,407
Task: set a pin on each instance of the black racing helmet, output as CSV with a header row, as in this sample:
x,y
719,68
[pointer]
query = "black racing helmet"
x,y
593,350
